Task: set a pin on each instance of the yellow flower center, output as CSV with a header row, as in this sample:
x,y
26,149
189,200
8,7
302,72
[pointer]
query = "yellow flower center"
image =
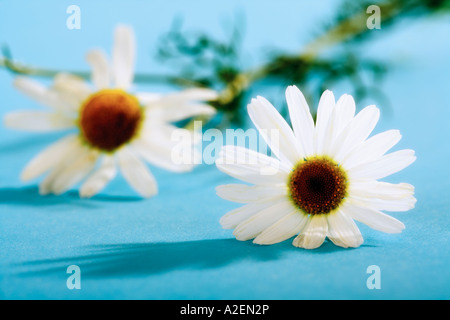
x,y
317,185
110,118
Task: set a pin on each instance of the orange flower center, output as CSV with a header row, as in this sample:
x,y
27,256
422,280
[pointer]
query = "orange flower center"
x,y
110,118
317,185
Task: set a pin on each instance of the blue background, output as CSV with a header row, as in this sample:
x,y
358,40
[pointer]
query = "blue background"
x,y
172,246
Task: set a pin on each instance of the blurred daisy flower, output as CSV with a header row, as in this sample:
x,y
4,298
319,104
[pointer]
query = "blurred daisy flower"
x,y
115,129
326,175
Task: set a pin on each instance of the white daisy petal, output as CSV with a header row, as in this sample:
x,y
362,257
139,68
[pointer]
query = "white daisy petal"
x,y
37,92
301,119
344,112
159,130
340,117
71,90
356,132
101,74
372,148
179,105
76,172
176,112
72,152
244,194
192,109
283,229
182,99
233,218
192,94
167,146
159,154
274,130
250,166
136,173
148,98
324,113
50,157
403,204
342,231
384,166
38,121
98,180
372,217
241,155
123,57
381,190
313,234
253,226
46,186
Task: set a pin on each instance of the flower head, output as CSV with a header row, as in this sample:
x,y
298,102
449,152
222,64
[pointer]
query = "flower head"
x,y
114,126
326,175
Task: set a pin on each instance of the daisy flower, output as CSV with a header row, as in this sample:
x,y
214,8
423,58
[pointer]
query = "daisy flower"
x,y
326,175
114,129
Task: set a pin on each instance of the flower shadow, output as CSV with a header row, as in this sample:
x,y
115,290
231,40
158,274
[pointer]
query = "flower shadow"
x,y
137,259
29,196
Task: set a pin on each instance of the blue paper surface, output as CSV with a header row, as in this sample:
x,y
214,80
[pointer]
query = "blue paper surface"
x,y
172,246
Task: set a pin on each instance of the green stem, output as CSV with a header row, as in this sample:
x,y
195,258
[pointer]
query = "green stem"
x,y
347,29
20,69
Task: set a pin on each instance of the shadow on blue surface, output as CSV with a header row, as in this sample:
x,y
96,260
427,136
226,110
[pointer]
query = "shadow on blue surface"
x,y
30,196
137,259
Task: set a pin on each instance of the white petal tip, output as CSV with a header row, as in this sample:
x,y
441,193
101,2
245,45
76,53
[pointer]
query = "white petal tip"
x,y
149,194
86,193
263,242
24,177
44,192
238,235
252,104
225,224
8,120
